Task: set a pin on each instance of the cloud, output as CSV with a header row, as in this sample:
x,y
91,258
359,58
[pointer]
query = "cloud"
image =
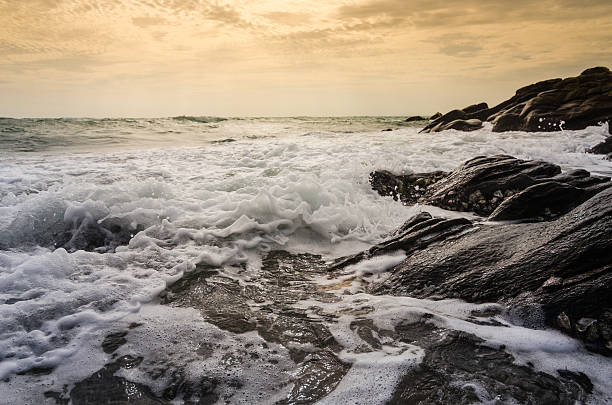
x,y
145,22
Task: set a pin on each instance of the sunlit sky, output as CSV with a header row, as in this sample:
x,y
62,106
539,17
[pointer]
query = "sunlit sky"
x,y
287,57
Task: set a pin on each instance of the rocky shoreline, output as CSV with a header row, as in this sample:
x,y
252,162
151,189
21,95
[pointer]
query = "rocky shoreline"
x,y
549,105
558,257
538,255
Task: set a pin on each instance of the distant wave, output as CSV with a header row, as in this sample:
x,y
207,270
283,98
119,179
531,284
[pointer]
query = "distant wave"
x,y
202,119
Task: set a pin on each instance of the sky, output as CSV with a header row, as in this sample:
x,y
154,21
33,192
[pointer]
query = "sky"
x,y
152,58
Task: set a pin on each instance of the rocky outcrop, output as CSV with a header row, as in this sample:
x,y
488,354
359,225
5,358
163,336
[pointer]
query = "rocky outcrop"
x,y
501,187
550,105
560,269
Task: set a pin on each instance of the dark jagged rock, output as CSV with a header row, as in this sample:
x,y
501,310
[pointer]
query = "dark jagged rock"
x,y
113,341
91,235
563,267
103,387
549,105
415,118
501,186
435,116
418,233
408,188
475,108
603,148
465,125
454,359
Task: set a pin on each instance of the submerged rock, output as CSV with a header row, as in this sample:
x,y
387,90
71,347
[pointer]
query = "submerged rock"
x,y
501,186
549,105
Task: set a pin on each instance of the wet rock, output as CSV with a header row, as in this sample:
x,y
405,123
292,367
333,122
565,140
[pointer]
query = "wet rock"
x,y
387,130
544,199
285,280
475,108
435,116
458,369
104,387
603,148
318,375
549,105
562,266
90,235
113,341
420,233
501,186
407,188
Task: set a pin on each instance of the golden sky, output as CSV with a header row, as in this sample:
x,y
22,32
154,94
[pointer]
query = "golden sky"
x,y
287,57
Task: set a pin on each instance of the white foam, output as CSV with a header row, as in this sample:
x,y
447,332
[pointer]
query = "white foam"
x,y
222,204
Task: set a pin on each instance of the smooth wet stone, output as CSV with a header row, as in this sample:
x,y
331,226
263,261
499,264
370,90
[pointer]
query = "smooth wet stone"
x,y
550,105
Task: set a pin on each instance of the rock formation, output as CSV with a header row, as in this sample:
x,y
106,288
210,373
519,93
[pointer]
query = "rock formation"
x,y
549,105
556,272
501,187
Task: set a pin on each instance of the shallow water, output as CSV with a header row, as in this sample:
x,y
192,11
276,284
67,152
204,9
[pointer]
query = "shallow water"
x,y
187,202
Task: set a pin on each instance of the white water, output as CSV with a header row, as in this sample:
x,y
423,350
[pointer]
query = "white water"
x,y
306,191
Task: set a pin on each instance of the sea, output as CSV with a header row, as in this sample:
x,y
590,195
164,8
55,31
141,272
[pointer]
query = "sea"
x,y
222,193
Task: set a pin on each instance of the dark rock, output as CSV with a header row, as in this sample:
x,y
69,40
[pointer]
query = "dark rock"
x,y
91,235
316,377
415,118
549,105
506,122
387,130
465,125
435,116
420,232
227,304
550,199
103,387
603,148
113,341
475,107
563,267
407,188
455,359
501,185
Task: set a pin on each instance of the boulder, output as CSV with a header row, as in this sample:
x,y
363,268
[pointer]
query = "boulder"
x,y
475,107
504,187
550,105
435,116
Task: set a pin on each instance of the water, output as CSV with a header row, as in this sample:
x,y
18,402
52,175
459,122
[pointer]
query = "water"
x,y
205,192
